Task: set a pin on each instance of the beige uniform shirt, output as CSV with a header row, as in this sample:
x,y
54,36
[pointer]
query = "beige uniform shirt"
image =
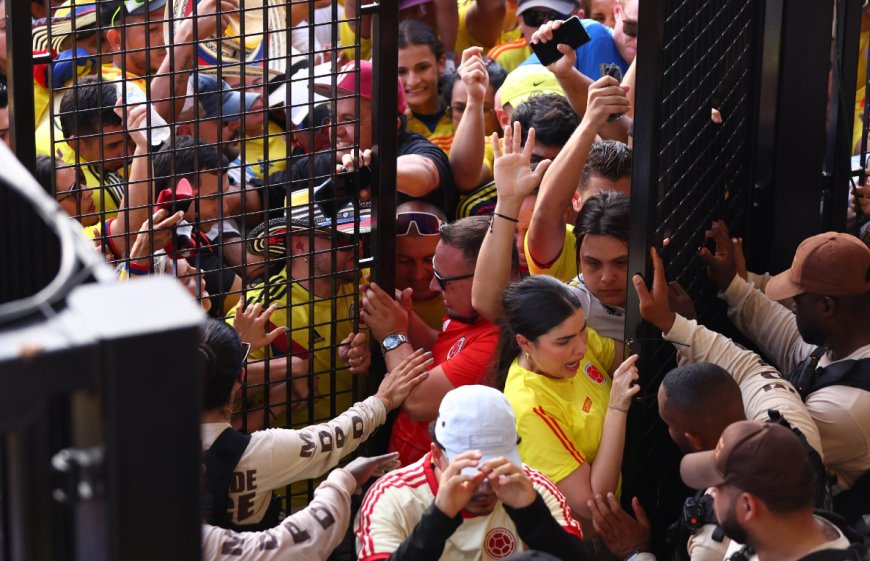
x,y
841,413
278,457
310,534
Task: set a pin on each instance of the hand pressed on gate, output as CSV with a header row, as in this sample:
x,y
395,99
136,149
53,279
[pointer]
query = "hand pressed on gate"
x,y
383,314
721,266
355,353
251,322
624,387
654,305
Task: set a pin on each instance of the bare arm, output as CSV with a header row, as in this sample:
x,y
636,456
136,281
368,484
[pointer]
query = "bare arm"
x,y
133,210
466,154
416,176
484,21
514,181
447,17
602,476
423,402
546,234
175,71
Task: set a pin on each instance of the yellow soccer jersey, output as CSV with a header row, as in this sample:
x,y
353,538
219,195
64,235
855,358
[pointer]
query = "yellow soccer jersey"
x,y
347,40
256,162
310,320
510,55
464,38
564,267
396,502
442,136
559,421
108,187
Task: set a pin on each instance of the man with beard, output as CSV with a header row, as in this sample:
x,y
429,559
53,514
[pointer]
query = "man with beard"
x,y
721,384
829,330
462,349
469,497
762,487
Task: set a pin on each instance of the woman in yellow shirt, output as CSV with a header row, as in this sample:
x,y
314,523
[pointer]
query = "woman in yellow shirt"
x,y
571,413
421,63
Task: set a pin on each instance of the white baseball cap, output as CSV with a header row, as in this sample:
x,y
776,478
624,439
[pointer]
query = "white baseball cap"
x,y
477,418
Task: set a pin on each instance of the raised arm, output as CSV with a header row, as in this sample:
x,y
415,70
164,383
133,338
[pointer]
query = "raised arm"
x,y
546,234
416,175
466,154
172,77
514,181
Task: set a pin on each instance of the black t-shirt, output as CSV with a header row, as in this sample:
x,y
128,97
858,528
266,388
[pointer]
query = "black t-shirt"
x,y
308,172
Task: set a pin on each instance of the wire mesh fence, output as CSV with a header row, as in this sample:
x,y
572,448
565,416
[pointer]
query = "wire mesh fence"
x,y
693,155
221,141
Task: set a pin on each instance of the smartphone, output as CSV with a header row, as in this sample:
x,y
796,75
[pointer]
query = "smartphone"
x,y
612,70
571,33
178,200
337,191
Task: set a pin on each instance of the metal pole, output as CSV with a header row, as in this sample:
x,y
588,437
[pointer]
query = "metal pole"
x,y
19,48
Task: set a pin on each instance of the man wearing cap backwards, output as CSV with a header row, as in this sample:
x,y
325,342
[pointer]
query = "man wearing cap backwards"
x,y
470,497
762,487
829,281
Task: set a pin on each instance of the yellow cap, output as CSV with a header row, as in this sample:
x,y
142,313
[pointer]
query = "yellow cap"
x,y
526,80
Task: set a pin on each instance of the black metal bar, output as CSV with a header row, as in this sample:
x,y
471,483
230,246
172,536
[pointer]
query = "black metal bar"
x,y
799,131
19,47
842,113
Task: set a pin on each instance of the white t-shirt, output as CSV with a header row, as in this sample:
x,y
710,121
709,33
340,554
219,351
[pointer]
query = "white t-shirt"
x,y
608,321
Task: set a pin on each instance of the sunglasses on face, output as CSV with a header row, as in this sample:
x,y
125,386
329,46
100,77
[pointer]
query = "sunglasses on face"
x,y
629,28
443,281
426,224
539,18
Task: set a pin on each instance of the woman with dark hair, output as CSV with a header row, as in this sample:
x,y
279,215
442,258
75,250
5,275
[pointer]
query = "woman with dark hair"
x,y
421,63
240,492
69,189
571,414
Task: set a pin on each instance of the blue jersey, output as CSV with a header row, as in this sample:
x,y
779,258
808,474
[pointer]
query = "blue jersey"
x,y
600,50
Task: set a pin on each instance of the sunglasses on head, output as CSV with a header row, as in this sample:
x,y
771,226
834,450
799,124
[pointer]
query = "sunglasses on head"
x,y
426,224
629,28
539,18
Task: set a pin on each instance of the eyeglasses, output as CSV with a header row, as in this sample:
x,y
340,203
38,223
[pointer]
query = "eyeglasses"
x,y
458,110
442,281
538,18
629,28
426,224
74,190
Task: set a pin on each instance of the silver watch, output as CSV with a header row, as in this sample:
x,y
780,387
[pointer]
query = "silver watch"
x,y
392,341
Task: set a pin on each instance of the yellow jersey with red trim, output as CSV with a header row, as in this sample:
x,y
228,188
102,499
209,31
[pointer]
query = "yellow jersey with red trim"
x,y
559,421
347,39
564,267
511,54
396,503
441,136
256,162
310,321
464,38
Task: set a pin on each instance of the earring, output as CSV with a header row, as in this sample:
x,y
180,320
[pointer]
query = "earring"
x,y
527,356
305,259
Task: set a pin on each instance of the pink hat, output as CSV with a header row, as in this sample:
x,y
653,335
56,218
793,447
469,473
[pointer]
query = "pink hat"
x,y
346,83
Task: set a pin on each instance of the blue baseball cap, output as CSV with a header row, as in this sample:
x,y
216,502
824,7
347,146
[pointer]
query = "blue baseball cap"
x,y
219,100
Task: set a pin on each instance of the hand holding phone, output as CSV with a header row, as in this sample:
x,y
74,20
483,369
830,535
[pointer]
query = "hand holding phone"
x,y
179,199
613,71
571,32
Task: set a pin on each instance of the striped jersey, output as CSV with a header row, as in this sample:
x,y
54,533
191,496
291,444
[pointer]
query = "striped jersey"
x,y
396,502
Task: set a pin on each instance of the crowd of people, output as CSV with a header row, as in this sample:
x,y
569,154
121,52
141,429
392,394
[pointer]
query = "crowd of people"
x,y
204,139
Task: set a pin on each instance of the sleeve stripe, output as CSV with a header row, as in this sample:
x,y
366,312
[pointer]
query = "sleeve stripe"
x,y
498,50
546,483
411,479
560,434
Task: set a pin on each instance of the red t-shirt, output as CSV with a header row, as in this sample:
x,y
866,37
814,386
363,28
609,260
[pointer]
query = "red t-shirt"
x,y
464,352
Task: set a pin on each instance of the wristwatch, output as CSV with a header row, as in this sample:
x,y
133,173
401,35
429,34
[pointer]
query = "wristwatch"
x,y
392,341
